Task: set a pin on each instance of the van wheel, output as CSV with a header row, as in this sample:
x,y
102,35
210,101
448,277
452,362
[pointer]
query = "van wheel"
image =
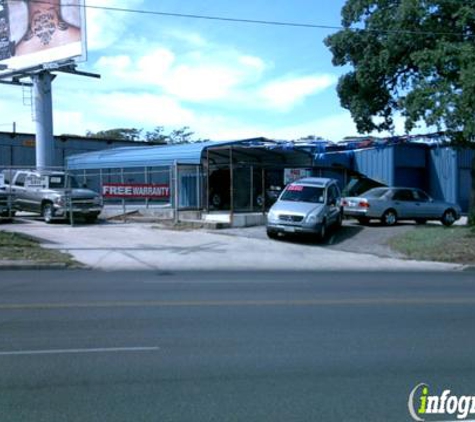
x,y
48,212
272,235
339,220
322,232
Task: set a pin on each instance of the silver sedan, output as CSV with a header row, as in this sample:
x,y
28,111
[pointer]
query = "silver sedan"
x,y
392,204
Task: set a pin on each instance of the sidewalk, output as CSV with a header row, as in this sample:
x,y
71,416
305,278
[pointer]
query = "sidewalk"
x,y
133,246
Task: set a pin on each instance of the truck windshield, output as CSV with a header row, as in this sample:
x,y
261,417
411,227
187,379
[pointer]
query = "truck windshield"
x,y
61,182
299,193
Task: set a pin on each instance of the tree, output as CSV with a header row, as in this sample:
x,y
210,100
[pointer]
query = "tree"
x,y
156,136
119,133
412,57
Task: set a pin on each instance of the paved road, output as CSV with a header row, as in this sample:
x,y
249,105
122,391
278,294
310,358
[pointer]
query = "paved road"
x,y
230,346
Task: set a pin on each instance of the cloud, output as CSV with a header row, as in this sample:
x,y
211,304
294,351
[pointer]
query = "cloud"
x,y
104,27
141,110
285,93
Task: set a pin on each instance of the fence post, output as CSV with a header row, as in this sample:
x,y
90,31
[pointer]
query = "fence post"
x,y
124,208
175,193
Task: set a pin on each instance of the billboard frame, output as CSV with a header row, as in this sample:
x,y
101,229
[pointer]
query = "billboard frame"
x,y
66,53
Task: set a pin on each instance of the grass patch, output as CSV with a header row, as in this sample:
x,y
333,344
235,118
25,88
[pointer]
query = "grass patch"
x,y
19,247
437,243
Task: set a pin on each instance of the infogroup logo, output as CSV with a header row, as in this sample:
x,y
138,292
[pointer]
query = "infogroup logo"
x,y
426,407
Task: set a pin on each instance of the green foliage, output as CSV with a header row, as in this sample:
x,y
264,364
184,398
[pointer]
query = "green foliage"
x,y
413,57
119,133
156,136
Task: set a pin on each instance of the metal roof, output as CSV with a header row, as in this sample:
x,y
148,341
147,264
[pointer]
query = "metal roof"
x,y
143,156
254,150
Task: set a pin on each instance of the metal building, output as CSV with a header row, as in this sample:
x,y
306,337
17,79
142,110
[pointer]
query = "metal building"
x,y
18,149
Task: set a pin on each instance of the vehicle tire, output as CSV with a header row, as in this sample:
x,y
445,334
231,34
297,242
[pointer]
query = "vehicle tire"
x,y
215,200
90,219
363,220
48,212
272,235
339,220
322,234
389,217
260,201
421,221
448,218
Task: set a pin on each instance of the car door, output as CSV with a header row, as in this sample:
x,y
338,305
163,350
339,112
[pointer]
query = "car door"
x,y
426,208
404,203
333,203
19,192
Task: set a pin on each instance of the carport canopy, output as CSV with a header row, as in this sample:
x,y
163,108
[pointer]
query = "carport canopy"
x,y
257,151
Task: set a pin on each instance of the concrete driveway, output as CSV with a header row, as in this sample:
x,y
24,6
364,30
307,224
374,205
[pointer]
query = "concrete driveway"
x,y
138,246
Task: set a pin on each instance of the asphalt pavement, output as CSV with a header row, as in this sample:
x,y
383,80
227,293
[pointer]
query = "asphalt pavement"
x,y
140,246
230,346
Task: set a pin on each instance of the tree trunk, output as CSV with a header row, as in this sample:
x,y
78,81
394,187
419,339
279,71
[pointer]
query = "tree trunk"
x,y
471,211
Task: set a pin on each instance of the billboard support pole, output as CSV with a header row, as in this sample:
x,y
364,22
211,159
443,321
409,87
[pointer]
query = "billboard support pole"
x,y
43,101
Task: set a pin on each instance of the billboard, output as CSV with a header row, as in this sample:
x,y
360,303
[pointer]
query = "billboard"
x,y
37,32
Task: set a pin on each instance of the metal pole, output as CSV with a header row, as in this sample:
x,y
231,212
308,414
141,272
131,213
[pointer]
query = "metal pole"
x,y
124,207
43,101
231,191
176,193
252,188
69,199
147,200
198,190
263,178
207,181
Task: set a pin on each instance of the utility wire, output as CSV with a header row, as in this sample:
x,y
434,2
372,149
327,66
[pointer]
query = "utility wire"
x,y
256,21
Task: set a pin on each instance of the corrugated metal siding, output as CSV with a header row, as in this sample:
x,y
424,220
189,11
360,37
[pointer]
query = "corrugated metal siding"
x,y
376,163
465,186
410,156
443,174
465,158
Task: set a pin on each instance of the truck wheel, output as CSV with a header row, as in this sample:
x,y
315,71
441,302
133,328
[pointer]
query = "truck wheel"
x,y
90,219
48,213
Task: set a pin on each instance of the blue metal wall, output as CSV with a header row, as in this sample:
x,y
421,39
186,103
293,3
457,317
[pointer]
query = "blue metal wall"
x,y
378,164
443,174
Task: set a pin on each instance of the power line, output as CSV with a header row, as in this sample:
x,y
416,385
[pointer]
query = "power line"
x,y
256,21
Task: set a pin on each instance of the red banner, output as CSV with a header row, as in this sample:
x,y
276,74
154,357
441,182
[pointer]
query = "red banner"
x,y
127,190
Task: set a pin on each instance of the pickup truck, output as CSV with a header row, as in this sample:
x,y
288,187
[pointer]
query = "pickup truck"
x,y
52,194
5,200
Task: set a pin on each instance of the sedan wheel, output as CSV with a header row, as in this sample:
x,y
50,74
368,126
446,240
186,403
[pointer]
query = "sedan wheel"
x,y
448,218
389,218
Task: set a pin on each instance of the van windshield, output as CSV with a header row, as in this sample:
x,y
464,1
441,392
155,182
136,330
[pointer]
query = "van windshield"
x,y
299,193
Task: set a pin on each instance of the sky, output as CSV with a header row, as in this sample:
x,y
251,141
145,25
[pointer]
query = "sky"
x,y
224,80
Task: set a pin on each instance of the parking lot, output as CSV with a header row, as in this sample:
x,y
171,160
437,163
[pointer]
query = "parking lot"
x,y
131,245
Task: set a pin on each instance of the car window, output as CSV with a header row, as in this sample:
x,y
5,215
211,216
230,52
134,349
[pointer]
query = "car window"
x,y
376,193
20,180
421,196
333,194
299,193
403,195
